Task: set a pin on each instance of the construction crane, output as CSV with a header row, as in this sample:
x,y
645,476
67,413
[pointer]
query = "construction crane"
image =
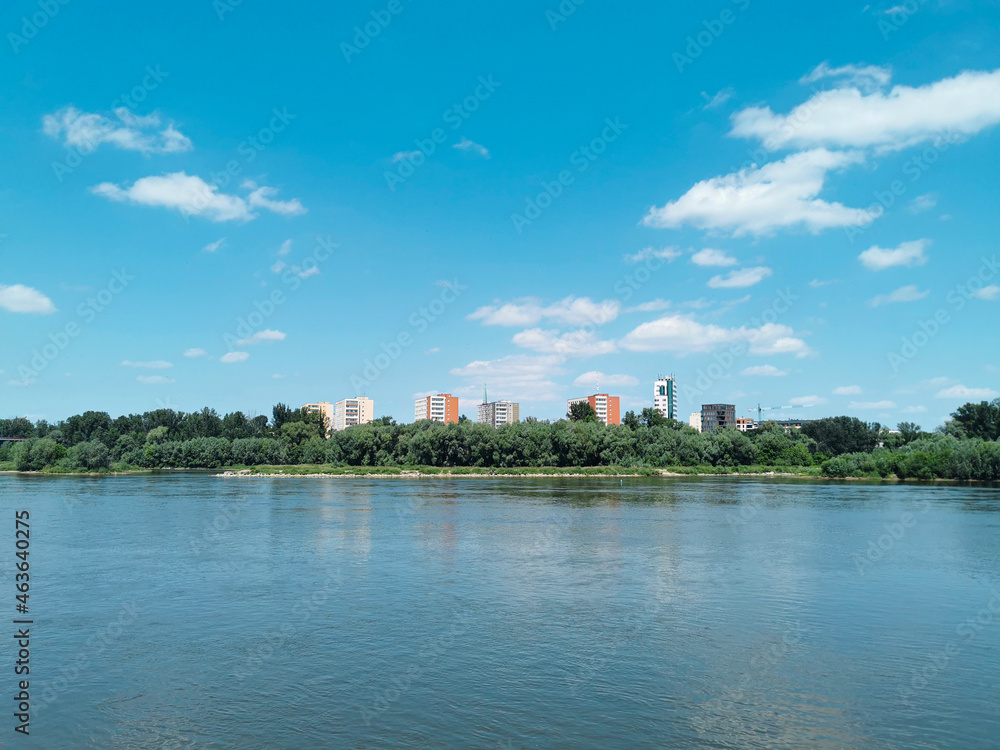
x,y
761,409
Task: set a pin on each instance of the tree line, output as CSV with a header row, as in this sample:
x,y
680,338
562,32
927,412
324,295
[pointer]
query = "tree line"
x,y
964,448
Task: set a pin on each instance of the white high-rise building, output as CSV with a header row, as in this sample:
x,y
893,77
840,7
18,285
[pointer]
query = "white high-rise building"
x,y
351,411
440,408
326,409
497,413
695,420
665,396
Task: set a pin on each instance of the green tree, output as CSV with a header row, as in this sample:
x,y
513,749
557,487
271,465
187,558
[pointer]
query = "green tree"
x,y
652,418
630,420
581,411
838,435
980,420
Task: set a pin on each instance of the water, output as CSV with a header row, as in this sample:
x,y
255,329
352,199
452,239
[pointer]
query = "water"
x,y
190,611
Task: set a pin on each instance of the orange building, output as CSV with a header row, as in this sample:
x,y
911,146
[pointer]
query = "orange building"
x,y
440,408
606,407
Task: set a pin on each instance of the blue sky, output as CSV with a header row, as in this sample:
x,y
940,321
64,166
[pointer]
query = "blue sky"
x,y
234,204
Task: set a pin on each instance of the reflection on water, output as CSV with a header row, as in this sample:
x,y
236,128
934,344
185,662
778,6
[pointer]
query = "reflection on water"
x,y
511,613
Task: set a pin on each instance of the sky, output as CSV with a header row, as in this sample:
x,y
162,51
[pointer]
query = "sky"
x,y
234,204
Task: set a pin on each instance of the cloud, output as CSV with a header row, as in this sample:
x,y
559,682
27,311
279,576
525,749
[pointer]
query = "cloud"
x,y
685,335
765,371
914,409
741,278
155,379
871,405
192,196
581,343
18,298
156,364
260,336
261,198
85,131
278,266
847,390
609,381
193,353
908,293
523,376
404,155
807,401
529,311
909,254
720,98
713,258
668,254
23,383
286,248
988,293
211,247
921,203
961,391
466,145
760,200
655,305
867,77
232,357
853,117
817,283
277,376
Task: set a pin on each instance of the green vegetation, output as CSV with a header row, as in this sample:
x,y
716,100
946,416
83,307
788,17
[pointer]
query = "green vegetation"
x,y
291,442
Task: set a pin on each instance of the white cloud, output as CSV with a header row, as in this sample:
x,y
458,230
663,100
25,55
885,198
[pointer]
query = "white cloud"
x,y
871,405
765,371
278,266
192,196
193,353
668,254
157,364
867,77
155,379
987,293
854,117
85,131
908,293
961,391
909,254
266,335
277,376
740,278
847,390
606,381
914,409
404,155
581,343
466,145
921,203
817,283
807,401
713,258
760,200
529,311
211,247
231,357
18,298
720,98
24,383
685,335
652,306
286,248
522,376
261,198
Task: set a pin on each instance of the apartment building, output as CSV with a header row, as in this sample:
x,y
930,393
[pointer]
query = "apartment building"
x,y
326,409
717,417
745,425
606,407
351,411
665,396
695,420
497,413
440,408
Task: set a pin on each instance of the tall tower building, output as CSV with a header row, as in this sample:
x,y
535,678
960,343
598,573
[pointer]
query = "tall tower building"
x,y
352,411
440,408
497,413
606,407
665,396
